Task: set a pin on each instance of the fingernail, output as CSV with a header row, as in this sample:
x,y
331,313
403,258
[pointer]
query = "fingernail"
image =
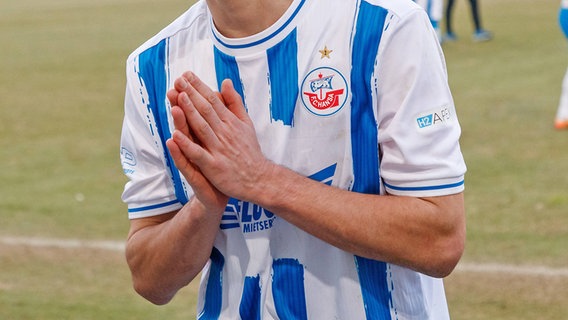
x,y
184,98
176,135
189,76
184,84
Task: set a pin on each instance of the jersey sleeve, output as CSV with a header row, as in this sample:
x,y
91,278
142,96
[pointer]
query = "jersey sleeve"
x,y
149,190
418,127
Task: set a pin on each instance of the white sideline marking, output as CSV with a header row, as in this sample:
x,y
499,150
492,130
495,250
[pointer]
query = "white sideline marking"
x,y
522,270
64,243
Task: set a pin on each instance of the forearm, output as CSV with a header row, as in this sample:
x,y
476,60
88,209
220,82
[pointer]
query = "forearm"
x,y
426,235
166,255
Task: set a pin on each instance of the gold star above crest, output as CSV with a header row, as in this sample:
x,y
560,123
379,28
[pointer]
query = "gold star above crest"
x,y
325,53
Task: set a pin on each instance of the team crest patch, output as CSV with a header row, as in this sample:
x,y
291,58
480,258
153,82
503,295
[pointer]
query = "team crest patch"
x,y
324,91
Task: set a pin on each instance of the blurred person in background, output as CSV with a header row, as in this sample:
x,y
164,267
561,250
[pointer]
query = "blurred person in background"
x,y
435,11
479,33
561,121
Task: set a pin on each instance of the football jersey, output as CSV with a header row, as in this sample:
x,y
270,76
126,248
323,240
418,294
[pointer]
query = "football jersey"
x,y
349,93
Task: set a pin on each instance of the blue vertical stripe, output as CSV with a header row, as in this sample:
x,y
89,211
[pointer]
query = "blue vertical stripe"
x,y
283,77
288,289
152,73
226,67
214,291
250,301
364,139
374,288
363,124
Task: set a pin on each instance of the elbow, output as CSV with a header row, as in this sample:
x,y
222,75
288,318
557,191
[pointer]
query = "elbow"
x,y
157,283
149,287
152,293
446,247
447,263
158,287
445,257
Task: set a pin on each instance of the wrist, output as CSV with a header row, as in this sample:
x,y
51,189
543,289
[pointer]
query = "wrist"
x,y
271,188
199,211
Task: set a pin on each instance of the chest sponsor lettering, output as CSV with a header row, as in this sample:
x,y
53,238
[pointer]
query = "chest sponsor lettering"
x,y
247,216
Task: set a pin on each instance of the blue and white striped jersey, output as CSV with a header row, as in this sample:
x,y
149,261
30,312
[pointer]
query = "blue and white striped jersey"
x,y
350,93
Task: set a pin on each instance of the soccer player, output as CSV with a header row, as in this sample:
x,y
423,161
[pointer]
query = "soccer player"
x,y
561,121
302,155
479,34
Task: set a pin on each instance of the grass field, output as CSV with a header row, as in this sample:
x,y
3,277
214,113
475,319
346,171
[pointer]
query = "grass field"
x,y
61,92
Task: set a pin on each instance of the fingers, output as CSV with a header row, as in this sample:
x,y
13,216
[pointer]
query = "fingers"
x,y
172,96
199,107
189,171
180,160
234,101
203,190
209,103
185,152
180,121
198,124
200,113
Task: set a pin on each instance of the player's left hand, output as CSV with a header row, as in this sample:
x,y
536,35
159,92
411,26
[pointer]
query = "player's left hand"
x,y
217,136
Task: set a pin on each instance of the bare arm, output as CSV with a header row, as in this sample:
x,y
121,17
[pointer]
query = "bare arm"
x,y
424,234
166,252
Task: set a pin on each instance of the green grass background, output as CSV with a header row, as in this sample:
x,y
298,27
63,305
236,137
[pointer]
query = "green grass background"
x,y
61,92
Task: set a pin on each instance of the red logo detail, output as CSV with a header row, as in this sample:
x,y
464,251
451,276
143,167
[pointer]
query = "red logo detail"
x,y
324,91
330,100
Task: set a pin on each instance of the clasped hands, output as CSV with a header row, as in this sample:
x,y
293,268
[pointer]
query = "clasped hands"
x,y
214,144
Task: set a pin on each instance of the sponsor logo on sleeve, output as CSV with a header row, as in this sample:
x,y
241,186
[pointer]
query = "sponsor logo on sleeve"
x,y
433,118
128,161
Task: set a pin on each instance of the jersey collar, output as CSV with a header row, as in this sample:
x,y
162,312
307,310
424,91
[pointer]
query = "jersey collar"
x,y
262,40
